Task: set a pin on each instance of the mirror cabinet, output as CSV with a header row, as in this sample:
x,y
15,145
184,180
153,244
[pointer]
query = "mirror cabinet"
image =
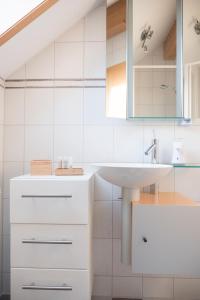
x,y
153,69
191,58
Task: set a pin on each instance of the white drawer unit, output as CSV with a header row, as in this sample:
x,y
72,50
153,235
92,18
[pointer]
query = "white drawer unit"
x,y
49,284
46,201
50,246
51,255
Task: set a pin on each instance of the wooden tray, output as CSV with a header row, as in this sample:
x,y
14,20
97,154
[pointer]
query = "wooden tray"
x,y
68,171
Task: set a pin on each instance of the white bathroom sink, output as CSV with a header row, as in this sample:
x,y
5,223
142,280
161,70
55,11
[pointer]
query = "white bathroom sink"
x,y
132,175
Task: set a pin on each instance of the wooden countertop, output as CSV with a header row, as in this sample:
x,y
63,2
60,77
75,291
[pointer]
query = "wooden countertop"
x,y
165,199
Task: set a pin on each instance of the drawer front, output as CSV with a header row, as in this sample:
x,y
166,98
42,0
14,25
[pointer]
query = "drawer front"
x,y
46,201
30,284
50,246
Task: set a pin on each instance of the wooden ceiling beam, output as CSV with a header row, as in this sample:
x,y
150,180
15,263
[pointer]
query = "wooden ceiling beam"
x,y
169,49
26,20
116,18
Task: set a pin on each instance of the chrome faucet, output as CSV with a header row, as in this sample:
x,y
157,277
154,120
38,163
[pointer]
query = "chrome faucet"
x,y
154,151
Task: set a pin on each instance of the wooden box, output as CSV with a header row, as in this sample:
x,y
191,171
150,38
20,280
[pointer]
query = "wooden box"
x,y
68,171
41,167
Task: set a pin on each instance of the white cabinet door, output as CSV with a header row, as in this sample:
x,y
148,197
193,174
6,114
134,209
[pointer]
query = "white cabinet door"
x,y
40,284
50,246
166,240
45,201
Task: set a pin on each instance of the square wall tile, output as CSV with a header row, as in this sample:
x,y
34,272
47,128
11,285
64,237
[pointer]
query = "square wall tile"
x,y
186,289
95,60
128,144
68,60
95,107
14,106
191,143
158,287
39,106
1,142
68,142
187,182
167,183
74,34
14,143
102,219
41,66
165,136
18,74
95,25
98,144
127,287
102,286
2,93
10,170
102,257
68,106
143,78
38,142
120,269
102,189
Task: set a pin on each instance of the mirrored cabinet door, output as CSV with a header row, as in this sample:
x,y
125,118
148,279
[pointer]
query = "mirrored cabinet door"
x,y
191,58
156,59
116,63
144,59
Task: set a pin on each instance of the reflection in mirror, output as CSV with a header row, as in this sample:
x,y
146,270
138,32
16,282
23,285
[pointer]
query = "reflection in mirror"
x,y
116,83
191,57
154,59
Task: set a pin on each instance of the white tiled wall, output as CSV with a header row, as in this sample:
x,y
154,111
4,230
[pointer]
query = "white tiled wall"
x,y
1,166
150,98
49,122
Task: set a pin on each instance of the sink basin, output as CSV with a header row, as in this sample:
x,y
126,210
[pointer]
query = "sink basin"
x,y
132,175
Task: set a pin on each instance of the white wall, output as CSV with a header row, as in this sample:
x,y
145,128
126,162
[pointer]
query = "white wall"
x,y
48,122
1,165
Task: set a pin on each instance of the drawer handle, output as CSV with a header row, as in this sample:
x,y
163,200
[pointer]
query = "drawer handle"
x,y
46,242
46,288
46,196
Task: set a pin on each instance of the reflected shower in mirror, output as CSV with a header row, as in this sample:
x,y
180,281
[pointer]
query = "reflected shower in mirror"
x,y
154,59
191,58
116,83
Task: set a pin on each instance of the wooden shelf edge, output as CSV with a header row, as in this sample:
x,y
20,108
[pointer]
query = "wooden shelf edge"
x,y
165,199
26,20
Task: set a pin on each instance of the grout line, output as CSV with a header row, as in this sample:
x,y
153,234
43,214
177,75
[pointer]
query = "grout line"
x,y
83,96
55,87
25,103
2,190
54,100
56,79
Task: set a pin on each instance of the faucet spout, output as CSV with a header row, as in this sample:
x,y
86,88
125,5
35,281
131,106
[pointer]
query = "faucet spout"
x,y
153,148
149,149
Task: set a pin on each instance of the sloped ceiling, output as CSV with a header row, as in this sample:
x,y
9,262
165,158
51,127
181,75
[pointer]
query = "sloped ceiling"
x,y
41,32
